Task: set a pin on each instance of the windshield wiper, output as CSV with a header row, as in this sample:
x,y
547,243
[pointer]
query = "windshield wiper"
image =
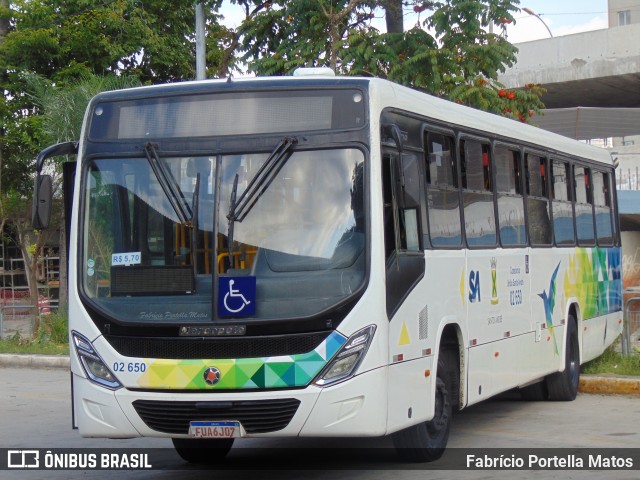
x,y
169,186
238,210
261,181
232,202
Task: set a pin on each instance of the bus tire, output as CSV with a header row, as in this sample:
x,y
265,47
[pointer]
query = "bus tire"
x,y
202,450
426,441
563,386
536,392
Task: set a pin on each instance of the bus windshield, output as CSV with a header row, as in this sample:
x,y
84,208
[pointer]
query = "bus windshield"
x,y
151,251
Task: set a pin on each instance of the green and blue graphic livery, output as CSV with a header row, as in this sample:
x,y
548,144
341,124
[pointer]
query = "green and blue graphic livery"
x,y
242,373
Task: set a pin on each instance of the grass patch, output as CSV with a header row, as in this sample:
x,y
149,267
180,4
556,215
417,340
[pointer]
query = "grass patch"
x,y
28,346
612,361
52,338
53,329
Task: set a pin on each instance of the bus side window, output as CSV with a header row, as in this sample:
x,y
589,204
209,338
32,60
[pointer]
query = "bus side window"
x,y
510,201
406,174
442,191
479,214
539,219
387,199
562,209
410,194
584,205
603,210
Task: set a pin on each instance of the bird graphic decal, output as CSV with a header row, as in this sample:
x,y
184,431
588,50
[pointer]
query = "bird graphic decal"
x,y
549,304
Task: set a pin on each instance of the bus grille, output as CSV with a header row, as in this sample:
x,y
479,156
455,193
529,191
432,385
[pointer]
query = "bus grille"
x,y
218,348
257,416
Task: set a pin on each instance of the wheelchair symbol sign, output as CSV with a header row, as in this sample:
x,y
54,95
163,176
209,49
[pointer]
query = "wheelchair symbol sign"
x,y
236,296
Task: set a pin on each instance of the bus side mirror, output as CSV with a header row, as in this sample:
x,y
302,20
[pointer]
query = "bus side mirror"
x,y
43,190
42,199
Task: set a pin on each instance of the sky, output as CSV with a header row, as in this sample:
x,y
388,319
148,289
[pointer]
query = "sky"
x,y
563,17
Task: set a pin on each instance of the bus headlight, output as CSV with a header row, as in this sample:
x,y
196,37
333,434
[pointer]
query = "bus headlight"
x,y
346,361
92,364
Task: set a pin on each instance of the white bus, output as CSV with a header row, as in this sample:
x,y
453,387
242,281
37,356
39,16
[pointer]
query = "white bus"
x,y
319,256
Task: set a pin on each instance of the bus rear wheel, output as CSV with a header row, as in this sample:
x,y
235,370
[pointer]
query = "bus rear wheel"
x,y
426,441
202,450
563,386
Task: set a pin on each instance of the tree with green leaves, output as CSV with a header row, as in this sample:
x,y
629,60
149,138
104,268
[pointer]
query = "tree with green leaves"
x,y
451,51
153,40
64,41
49,55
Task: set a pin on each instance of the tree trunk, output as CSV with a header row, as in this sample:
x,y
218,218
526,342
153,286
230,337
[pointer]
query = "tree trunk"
x,y
30,271
393,15
223,69
31,266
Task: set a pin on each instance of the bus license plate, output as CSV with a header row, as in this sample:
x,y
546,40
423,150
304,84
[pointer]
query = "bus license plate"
x,y
225,429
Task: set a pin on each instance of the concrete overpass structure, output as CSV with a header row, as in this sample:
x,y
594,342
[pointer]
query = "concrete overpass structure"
x,y
592,82
600,68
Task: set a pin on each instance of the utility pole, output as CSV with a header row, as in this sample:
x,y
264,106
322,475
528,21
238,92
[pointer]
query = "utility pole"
x,y
201,57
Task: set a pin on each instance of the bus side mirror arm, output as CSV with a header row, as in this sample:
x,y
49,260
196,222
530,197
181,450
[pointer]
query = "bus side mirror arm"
x,y
43,188
65,148
393,131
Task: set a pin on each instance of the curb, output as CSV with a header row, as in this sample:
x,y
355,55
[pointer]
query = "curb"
x,y
607,383
602,384
34,361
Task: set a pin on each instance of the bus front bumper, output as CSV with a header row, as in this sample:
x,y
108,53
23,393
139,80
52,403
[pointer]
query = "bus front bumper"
x,y
355,407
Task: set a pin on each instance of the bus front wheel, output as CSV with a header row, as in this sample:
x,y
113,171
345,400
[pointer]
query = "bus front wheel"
x,y
426,441
202,450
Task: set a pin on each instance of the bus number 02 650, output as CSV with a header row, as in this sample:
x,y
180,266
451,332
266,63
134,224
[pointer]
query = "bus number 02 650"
x,y
131,367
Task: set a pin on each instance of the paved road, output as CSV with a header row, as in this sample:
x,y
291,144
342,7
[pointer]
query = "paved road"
x,y
35,412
